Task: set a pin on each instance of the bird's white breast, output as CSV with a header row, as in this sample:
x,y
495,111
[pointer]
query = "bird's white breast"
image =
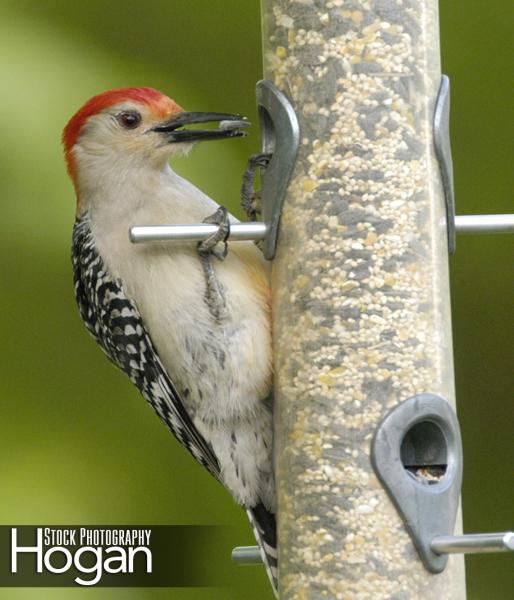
x,y
222,369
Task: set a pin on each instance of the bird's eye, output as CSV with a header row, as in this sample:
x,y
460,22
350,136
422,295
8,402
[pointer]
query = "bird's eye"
x,y
129,119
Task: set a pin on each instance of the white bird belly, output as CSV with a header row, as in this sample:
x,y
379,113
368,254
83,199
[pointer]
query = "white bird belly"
x,y
221,368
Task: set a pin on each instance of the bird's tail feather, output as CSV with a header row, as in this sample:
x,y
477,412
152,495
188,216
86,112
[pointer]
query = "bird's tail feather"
x,y
265,531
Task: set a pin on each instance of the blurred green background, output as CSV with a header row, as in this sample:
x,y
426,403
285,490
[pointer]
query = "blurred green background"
x,y
77,442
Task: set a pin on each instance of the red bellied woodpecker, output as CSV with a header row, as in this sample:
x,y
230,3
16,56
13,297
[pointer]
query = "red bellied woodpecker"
x,y
192,334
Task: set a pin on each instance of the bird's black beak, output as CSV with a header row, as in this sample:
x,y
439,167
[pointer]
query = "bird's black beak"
x,y
229,127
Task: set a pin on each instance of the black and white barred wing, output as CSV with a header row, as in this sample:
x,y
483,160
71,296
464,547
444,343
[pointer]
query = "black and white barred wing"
x,y
115,323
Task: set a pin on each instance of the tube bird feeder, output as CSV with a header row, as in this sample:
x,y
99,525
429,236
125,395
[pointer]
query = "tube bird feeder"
x,y
361,306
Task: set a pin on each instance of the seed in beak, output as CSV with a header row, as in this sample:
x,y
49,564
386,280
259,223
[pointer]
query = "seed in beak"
x,y
228,125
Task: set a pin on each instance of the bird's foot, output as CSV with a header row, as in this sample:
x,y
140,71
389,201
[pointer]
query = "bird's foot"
x,y
216,244
250,198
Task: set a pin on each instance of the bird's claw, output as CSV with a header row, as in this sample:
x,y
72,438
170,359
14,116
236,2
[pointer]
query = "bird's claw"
x,y
216,244
260,160
250,198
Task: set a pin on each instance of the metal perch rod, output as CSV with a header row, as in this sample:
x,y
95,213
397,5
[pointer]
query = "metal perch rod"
x,y
257,230
472,543
195,232
246,555
484,223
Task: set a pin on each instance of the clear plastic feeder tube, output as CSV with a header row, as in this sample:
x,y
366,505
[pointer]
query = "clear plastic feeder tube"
x,y
361,302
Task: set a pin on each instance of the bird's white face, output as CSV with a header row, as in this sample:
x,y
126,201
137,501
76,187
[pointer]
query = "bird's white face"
x,y
129,133
124,135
